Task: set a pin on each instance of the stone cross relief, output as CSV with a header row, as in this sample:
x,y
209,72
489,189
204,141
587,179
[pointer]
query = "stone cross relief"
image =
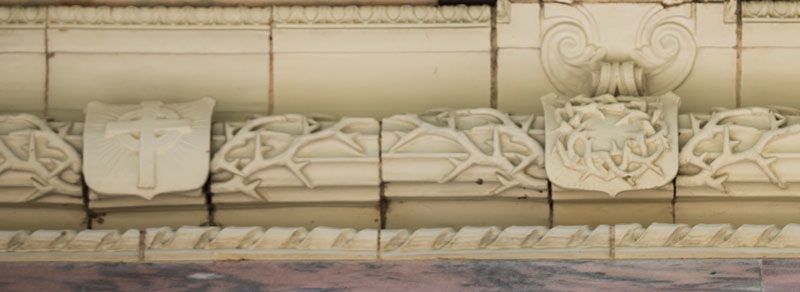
x,y
152,129
147,149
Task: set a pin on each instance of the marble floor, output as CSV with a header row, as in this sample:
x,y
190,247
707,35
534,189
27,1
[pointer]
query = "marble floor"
x,y
683,275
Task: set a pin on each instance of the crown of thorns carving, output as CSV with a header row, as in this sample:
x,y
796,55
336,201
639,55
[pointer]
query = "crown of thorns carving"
x,y
642,147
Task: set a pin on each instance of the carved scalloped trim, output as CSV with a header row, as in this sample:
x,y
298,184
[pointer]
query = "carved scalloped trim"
x,y
244,17
516,242
158,16
16,15
382,15
764,11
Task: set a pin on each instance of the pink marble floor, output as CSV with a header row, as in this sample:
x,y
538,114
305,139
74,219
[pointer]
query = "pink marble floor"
x,y
649,275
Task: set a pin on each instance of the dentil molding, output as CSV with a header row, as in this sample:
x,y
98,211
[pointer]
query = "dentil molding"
x,y
655,61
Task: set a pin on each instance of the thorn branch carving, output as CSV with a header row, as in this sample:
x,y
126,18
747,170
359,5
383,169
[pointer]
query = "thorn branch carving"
x,y
510,167
257,132
53,164
722,125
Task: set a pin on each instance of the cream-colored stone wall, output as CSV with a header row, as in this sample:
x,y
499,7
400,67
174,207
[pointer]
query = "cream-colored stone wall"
x,y
613,74
376,60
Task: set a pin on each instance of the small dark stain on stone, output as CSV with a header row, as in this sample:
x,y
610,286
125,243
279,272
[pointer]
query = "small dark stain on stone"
x,y
713,272
479,181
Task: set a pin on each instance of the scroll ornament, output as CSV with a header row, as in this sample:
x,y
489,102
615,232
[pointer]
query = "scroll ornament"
x,y
576,62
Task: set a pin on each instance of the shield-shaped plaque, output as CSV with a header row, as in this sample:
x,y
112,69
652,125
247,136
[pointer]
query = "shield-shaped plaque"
x,y
147,149
611,144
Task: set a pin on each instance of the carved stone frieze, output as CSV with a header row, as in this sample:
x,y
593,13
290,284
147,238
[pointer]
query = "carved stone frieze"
x,y
59,16
20,15
148,149
286,158
518,242
764,11
382,15
243,17
236,243
189,243
454,147
37,163
611,144
69,245
577,60
740,146
706,241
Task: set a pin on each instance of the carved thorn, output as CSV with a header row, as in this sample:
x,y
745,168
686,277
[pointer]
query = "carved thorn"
x,y
251,189
40,187
497,149
505,184
695,124
228,131
459,167
32,155
297,169
407,138
232,167
351,140
259,149
526,126
727,145
719,183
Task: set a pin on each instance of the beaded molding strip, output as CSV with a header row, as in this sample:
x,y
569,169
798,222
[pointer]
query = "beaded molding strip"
x,y
622,241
